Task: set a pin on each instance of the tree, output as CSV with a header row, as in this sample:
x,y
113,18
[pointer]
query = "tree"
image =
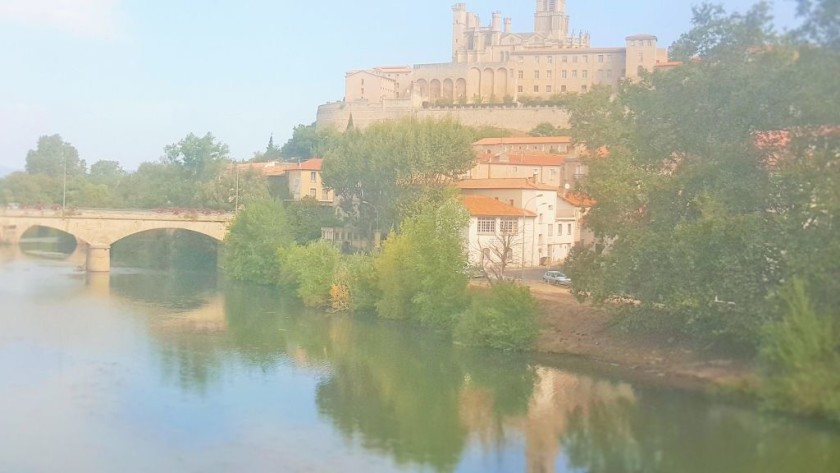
x,y
197,158
390,164
500,252
271,153
107,170
258,237
308,141
547,129
54,157
689,209
421,270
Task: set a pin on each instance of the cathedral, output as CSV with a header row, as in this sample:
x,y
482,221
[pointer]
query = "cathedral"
x,y
492,64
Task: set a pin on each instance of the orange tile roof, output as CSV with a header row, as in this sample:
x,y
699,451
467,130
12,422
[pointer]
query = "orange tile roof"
x,y
485,206
523,140
533,159
312,164
504,183
578,199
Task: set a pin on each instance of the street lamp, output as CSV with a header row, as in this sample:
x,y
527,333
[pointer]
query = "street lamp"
x,y
525,207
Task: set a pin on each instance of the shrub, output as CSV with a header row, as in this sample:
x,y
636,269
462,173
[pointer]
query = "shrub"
x,y
356,280
505,317
312,268
252,246
801,354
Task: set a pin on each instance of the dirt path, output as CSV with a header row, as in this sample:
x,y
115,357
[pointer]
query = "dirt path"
x,y
570,328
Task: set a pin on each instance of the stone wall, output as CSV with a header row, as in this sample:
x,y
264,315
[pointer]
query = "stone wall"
x,y
337,115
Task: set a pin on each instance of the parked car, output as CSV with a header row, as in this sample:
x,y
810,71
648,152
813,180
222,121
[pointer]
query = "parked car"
x,y
556,278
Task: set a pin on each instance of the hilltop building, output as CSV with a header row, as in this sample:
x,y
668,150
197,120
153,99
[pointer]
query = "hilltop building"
x,y
493,68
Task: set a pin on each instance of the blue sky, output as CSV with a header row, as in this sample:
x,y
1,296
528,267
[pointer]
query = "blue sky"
x,y
120,79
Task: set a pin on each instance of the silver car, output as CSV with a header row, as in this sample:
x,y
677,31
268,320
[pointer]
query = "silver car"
x,y
556,278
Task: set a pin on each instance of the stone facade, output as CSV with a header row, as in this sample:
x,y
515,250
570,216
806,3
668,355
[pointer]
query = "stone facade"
x,y
494,65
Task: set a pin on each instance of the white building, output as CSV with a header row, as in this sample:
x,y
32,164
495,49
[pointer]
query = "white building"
x,y
555,221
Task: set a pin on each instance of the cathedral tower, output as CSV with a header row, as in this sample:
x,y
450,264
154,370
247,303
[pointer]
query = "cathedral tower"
x,y
550,19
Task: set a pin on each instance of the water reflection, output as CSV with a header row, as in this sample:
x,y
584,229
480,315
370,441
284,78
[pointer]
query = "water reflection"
x,y
248,362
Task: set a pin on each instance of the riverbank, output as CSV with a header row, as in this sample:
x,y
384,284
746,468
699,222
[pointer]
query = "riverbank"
x,y
570,328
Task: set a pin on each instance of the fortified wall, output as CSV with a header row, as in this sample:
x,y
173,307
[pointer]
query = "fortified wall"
x,y
515,117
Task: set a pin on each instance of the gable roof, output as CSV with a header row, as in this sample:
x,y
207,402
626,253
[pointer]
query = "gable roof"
x,y
312,164
485,206
504,183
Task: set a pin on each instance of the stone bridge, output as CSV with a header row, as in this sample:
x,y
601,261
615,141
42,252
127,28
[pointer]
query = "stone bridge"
x,y
98,229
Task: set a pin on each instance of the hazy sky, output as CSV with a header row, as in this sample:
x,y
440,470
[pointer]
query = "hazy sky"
x,y
120,79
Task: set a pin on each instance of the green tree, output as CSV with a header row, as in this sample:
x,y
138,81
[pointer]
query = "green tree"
x,y
691,220
257,237
308,141
503,318
312,268
421,270
547,129
197,157
54,157
390,164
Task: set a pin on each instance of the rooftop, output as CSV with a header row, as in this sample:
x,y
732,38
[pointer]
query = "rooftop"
x,y
484,206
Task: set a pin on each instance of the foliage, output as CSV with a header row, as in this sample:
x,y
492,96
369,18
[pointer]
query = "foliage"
x,y
547,129
391,163
421,270
312,267
801,354
271,153
256,236
358,274
197,157
54,157
307,217
505,317
696,219
308,141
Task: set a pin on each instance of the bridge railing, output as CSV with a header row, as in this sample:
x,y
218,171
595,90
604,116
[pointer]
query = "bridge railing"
x,y
74,212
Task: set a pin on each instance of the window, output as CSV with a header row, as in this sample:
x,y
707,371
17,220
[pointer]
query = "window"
x,y
548,89
313,176
559,229
641,57
363,82
548,74
536,88
519,89
586,59
486,225
574,58
363,91
565,59
584,73
562,88
563,74
521,74
574,73
550,59
313,192
584,88
551,230
540,219
569,229
537,59
536,74
508,225
601,58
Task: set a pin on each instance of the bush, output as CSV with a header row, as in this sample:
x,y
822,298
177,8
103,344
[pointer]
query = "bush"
x,y
312,268
801,354
504,318
252,246
357,276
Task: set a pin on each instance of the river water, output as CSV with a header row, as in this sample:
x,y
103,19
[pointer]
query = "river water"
x,y
141,371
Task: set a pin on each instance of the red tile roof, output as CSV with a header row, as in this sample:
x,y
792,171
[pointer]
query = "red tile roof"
x,y
578,199
523,140
504,183
485,206
313,164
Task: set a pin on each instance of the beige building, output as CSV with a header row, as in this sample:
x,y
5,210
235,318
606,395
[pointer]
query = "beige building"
x,y
493,64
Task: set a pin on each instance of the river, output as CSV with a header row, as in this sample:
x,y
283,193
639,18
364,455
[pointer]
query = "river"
x,y
155,371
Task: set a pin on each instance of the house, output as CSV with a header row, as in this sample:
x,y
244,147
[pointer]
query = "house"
x,y
556,221
304,180
524,144
497,234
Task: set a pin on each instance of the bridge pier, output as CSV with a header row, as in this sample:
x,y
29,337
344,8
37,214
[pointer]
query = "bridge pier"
x,y
98,258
